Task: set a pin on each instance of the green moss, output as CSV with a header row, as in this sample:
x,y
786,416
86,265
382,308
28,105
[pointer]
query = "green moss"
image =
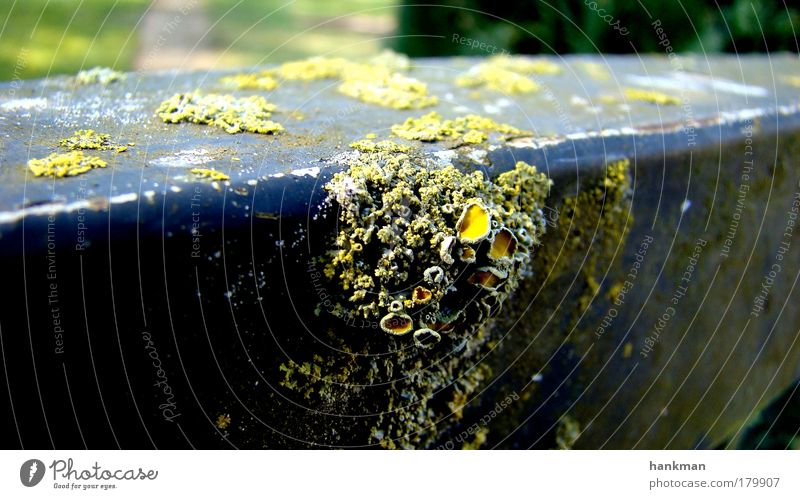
x,y
232,114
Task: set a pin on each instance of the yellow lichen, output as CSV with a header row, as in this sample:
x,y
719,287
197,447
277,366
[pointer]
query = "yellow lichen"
x,y
313,68
650,96
262,80
488,277
504,245
474,224
377,82
470,128
401,221
65,164
367,145
223,421
507,74
397,324
421,295
100,75
90,139
232,114
210,174
387,89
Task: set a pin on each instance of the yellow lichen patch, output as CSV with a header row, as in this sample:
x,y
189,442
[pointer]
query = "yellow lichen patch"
x,y
504,245
313,68
394,90
595,70
232,114
398,324
399,218
377,82
488,277
90,139
474,137
470,128
262,80
474,224
650,96
525,65
507,74
100,75
65,165
223,421
367,145
497,79
391,60
793,80
210,174
421,295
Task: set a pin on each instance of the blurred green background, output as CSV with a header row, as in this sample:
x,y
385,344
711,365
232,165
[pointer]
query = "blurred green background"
x,y
48,37
41,37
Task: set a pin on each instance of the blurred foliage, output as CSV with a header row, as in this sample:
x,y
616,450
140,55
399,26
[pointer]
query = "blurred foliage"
x,y
41,37
535,26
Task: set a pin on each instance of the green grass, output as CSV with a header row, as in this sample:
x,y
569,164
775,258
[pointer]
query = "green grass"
x,y
41,37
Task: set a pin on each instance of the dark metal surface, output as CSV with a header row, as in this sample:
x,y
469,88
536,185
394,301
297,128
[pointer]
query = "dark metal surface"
x,y
121,289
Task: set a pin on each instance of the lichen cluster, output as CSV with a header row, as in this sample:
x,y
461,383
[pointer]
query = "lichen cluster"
x,y
378,81
232,114
210,174
507,74
469,129
431,250
65,164
90,139
649,96
100,75
262,80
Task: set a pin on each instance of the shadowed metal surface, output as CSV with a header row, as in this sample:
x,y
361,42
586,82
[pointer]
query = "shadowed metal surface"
x,y
221,316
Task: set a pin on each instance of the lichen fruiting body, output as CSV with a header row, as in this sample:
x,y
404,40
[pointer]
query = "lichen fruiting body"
x,y
406,225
